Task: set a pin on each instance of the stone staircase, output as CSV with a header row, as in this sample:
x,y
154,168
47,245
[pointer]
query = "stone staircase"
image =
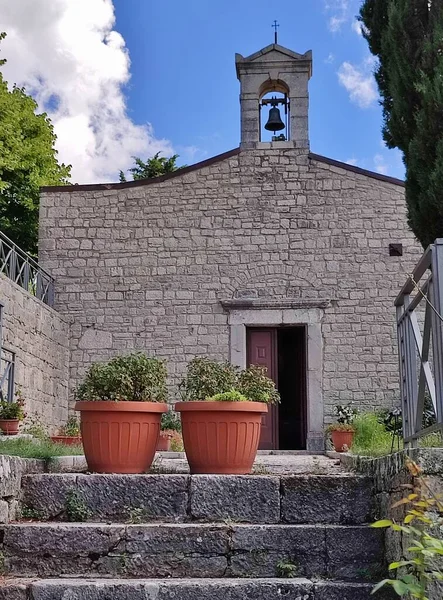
x,y
204,537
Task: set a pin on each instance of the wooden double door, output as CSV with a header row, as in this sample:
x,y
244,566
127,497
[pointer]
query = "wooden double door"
x,y
282,350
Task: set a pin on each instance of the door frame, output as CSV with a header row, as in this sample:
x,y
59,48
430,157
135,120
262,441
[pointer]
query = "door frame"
x,y
256,313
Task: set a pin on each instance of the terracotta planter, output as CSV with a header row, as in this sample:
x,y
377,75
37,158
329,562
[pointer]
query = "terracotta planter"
x,y
342,440
221,437
9,426
164,442
120,437
67,440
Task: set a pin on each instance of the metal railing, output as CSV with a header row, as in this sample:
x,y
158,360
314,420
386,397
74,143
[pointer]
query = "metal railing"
x,y
7,367
7,375
417,345
25,271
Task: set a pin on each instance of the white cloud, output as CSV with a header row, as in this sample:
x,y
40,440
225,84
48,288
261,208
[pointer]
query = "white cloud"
x,y
359,82
340,13
352,161
357,26
380,164
330,59
69,57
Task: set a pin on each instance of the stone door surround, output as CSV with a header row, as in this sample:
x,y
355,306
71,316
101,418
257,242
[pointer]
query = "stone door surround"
x,y
243,313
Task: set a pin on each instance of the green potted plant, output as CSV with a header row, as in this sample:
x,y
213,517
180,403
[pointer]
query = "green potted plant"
x,y
69,434
121,403
170,423
11,413
342,432
221,415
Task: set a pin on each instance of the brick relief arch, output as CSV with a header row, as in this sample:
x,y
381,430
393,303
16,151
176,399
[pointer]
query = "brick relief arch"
x,y
278,281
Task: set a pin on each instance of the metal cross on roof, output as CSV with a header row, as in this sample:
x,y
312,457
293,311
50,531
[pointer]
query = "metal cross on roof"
x,y
275,25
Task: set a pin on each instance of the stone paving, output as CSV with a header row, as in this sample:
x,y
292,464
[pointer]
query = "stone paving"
x,y
267,463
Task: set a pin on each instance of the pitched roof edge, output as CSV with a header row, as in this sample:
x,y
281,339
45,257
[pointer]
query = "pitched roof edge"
x,y
140,182
358,170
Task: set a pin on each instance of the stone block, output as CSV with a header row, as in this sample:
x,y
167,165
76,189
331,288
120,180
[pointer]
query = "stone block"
x,y
156,497
257,550
4,511
355,553
116,497
188,589
329,590
337,499
11,590
47,493
250,499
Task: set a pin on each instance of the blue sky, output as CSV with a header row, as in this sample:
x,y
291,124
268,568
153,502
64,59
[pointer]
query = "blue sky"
x,y
184,82
124,78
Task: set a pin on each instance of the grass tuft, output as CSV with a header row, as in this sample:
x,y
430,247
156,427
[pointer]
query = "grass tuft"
x,y
44,449
371,437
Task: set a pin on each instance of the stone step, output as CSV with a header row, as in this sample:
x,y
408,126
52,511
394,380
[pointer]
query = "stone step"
x,y
193,550
341,499
186,589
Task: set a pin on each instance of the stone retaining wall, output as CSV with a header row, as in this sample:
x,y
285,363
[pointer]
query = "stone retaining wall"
x,y
389,474
12,469
40,338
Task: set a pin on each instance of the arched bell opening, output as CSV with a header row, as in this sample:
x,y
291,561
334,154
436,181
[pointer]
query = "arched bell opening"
x,y
274,111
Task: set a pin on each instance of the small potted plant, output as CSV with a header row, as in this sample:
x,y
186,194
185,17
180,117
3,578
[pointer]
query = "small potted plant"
x,y
170,423
121,403
343,431
11,413
68,434
221,415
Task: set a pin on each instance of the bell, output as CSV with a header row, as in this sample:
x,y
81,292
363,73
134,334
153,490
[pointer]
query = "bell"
x,y
274,122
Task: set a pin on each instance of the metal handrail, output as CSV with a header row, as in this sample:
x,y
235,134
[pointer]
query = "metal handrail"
x,y
21,268
414,349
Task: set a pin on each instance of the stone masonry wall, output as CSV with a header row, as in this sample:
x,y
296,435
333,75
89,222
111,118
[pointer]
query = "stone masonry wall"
x,y
146,266
40,338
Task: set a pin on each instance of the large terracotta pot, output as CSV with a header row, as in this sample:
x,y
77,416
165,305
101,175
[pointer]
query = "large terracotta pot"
x,y
9,426
342,440
221,437
120,437
66,440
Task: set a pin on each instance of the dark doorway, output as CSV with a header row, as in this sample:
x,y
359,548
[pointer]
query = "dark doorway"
x,y
282,350
291,344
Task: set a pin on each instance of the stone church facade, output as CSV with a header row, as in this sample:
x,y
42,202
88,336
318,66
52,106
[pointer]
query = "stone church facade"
x,y
266,254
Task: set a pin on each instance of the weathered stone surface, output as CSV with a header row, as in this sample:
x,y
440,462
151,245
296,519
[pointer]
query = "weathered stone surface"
x,y
260,589
116,497
12,469
180,538
10,590
327,590
156,496
326,499
64,539
257,550
47,493
40,337
252,499
355,553
4,511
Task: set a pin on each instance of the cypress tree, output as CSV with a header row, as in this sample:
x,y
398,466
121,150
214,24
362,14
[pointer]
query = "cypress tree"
x,y
406,36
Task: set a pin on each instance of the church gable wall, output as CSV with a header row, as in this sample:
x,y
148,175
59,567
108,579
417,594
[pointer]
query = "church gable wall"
x,y
147,267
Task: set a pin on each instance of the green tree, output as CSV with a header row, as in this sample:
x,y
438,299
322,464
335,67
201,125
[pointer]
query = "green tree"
x,y
28,160
407,38
153,167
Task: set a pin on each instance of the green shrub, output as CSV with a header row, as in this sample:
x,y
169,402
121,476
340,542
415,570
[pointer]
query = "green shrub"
x,y
171,421
231,396
206,379
44,449
133,377
422,527
371,437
